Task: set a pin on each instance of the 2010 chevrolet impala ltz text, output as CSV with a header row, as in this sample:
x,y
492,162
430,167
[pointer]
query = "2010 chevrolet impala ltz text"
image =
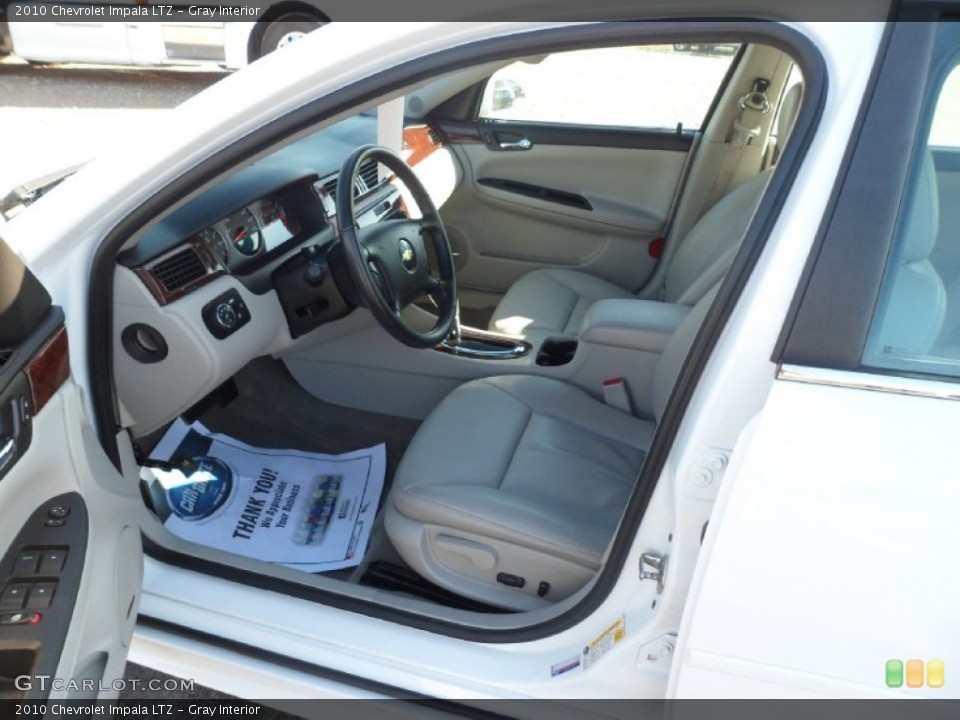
x,y
502,360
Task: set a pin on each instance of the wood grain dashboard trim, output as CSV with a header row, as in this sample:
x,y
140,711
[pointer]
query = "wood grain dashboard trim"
x,y
49,369
160,292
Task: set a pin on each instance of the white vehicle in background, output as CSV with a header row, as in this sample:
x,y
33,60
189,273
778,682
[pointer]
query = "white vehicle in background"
x,y
144,41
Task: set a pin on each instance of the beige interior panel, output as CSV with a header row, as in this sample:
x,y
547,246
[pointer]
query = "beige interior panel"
x,y
501,236
355,363
197,362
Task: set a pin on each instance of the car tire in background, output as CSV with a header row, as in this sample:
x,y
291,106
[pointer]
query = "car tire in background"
x,y
282,30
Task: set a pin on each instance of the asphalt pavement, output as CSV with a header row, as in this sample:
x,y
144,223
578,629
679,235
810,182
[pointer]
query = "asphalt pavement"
x,y
23,85
54,116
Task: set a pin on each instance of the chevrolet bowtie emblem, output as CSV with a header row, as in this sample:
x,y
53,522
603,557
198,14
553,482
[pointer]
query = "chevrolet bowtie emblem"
x,y
407,255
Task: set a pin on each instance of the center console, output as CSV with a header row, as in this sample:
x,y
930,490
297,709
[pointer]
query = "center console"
x,y
353,362
643,325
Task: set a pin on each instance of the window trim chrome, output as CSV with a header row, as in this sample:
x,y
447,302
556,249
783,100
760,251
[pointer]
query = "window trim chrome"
x,y
893,384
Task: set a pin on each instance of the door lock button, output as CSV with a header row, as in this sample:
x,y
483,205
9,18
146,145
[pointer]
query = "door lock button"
x,y
20,618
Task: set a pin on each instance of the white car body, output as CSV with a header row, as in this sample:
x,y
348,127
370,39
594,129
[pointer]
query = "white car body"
x,y
798,547
132,43
146,36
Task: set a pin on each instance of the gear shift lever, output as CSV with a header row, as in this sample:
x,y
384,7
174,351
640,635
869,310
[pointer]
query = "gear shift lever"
x,y
455,332
480,344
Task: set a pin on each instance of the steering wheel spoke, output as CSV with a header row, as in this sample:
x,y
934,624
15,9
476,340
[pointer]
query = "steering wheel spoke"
x,y
437,289
383,283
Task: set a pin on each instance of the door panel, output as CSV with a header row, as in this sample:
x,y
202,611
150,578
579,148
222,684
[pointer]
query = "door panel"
x,y
834,549
573,159
585,206
70,556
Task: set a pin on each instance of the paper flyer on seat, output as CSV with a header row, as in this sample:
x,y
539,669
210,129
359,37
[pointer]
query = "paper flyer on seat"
x,y
308,511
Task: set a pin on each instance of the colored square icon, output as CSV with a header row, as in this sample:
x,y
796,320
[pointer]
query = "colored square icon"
x,y
894,673
935,674
914,673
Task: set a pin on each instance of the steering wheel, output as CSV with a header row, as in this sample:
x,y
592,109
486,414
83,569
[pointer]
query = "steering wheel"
x,y
389,261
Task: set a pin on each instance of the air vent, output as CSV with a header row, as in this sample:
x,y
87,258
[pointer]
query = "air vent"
x,y
435,137
179,270
367,179
369,175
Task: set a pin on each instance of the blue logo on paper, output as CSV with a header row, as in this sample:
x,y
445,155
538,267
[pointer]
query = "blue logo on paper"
x,y
208,486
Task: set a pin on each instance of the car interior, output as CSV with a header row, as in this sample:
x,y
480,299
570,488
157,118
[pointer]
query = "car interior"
x,y
502,292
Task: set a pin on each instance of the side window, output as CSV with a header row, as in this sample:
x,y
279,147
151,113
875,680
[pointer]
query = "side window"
x,y
649,87
916,325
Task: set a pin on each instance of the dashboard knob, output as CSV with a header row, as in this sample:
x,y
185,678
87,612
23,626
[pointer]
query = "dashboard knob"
x,y
313,274
226,316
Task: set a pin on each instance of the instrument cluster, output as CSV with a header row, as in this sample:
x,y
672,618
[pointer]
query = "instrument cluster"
x,y
249,232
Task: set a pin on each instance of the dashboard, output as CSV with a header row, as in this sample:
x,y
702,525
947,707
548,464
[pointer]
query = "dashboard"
x,y
241,242
241,268
245,223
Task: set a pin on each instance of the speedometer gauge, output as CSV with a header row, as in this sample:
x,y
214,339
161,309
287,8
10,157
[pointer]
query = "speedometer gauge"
x,y
243,230
214,240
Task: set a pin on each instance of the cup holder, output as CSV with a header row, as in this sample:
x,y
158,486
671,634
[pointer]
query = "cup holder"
x,y
556,352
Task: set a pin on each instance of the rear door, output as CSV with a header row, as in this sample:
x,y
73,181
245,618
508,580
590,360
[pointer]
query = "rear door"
x,y
574,160
830,569
70,554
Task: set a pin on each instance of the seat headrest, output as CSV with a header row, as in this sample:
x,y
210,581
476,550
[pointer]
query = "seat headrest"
x,y
789,107
922,221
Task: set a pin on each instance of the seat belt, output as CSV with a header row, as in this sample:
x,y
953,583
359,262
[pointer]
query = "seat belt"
x,y
746,127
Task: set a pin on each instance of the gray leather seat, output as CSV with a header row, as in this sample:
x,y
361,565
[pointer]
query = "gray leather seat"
x,y
912,318
513,487
555,300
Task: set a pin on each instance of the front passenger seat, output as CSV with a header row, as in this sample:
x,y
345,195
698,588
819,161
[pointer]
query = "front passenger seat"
x,y
513,487
554,300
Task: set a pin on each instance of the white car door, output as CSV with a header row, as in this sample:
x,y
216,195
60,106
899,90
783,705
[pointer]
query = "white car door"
x,y
70,554
828,569
67,40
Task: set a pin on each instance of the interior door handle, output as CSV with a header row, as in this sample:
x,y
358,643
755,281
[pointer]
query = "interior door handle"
x,y
8,451
8,444
521,144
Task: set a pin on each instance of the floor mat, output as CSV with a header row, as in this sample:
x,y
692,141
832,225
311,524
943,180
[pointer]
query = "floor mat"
x,y
272,410
305,510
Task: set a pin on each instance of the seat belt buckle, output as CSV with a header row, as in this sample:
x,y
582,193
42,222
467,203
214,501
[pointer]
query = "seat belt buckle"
x,y
615,394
